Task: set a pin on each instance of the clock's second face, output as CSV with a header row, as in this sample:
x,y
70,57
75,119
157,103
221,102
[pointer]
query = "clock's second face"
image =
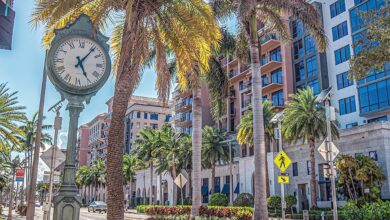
x,y
79,62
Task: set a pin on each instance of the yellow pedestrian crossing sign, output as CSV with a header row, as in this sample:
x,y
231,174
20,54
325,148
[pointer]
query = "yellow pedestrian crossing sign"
x,y
283,179
282,161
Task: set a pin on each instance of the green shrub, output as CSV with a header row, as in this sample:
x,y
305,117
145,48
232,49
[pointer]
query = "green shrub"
x,y
244,200
187,201
141,208
290,202
218,199
274,202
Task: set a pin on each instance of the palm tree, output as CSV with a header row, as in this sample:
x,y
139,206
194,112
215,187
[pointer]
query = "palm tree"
x,y
98,174
148,142
10,114
131,164
304,119
186,28
213,150
84,179
251,14
185,157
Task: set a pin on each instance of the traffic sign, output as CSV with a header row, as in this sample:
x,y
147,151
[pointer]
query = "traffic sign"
x,y
59,157
283,179
322,150
19,174
180,180
282,161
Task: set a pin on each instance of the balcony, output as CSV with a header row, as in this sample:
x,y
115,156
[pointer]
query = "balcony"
x,y
272,87
182,107
183,121
271,65
233,73
247,88
269,42
246,103
232,60
177,94
232,93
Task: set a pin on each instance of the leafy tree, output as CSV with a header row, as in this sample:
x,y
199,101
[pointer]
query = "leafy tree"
x,y
374,44
186,28
213,150
270,15
244,200
290,202
131,164
274,202
305,120
218,199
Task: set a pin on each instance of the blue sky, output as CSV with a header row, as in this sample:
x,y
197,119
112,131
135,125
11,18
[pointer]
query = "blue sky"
x,y
22,68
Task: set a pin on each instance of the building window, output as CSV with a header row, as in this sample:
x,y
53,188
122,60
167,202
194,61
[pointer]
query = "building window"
x,y
295,168
138,125
205,190
276,76
383,118
232,124
264,80
297,28
168,118
263,59
145,115
314,85
310,45
217,184
298,49
308,166
347,105
357,21
138,114
351,125
300,71
275,55
343,81
340,31
277,98
265,98
154,126
337,8
154,116
373,155
241,85
190,99
311,65
343,54
369,97
190,130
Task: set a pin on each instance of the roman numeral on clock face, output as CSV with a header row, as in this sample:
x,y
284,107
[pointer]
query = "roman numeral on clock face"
x,y
96,74
67,77
58,60
99,65
81,44
60,69
77,81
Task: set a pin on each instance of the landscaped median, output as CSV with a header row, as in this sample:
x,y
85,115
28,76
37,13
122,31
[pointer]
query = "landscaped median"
x,y
167,212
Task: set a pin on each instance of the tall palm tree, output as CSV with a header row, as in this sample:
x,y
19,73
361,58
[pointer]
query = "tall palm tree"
x,y
98,173
187,28
269,13
213,150
185,157
84,179
130,165
145,146
10,114
304,119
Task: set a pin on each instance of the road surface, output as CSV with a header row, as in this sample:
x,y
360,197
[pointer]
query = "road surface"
x,y
84,215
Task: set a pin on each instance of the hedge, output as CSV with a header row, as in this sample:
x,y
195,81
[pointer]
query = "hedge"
x,y
243,213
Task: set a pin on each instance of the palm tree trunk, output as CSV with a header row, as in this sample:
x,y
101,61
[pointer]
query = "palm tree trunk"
x,y
11,196
124,87
260,211
212,189
174,190
313,181
196,149
151,200
190,182
353,184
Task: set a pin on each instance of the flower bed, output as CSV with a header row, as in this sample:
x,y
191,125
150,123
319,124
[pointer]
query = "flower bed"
x,y
243,213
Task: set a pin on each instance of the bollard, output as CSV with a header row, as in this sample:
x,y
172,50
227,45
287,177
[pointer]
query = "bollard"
x,y
305,215
322,215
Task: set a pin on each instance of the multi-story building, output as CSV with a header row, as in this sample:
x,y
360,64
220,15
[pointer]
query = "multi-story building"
x,y
7,18
82,147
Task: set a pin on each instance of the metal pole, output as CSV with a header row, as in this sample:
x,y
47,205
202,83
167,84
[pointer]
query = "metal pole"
x,y
329,150
181,187
57,127
231,173
32,186
282,184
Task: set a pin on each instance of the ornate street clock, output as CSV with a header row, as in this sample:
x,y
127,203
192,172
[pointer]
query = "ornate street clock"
x,y
78,64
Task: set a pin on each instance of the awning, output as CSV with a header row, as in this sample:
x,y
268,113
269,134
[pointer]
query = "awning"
x,y
237,189
226,189
205,190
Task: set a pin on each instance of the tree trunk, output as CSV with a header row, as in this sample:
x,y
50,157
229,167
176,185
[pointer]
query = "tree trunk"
x,y
11,196
151,200
212,178
174,190
127,75
353,184
196,150
189,171
261,210
313,181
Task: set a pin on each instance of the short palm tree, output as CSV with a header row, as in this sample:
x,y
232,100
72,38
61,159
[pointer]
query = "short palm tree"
x,y
97,174
213,150
84,179
10,114
149,140
130,165
304,119
187,28
251,14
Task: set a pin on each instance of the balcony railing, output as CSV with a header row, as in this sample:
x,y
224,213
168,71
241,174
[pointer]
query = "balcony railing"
x,y
233,73
268,37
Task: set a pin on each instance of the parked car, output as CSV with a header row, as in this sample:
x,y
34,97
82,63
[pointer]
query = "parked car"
x,y
37,204
99,206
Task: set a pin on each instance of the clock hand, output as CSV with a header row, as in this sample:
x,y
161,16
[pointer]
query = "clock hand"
x,y
80,63
85,57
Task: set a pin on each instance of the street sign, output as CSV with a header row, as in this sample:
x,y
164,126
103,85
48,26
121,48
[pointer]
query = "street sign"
x,y
283,179
19,174
180,180
282,161
59,157
322,150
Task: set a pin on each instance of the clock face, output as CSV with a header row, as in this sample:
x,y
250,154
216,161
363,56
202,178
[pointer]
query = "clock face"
x,y
79,62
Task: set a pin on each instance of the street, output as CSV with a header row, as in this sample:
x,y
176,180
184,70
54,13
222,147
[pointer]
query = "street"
x,y
84,215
